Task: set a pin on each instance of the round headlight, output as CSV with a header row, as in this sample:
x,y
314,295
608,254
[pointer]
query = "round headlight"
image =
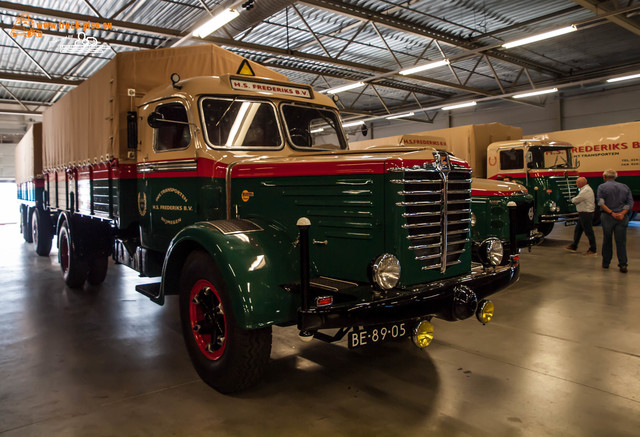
x,y
473,219
386,271
493,251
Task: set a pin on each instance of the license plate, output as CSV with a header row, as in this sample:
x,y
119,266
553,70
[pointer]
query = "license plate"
x,y
570,222
377,334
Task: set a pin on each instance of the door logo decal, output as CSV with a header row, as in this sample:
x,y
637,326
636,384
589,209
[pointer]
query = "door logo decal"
x,y
142,204
171,204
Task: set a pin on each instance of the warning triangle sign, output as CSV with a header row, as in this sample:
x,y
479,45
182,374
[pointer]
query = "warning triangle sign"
x,y
245,69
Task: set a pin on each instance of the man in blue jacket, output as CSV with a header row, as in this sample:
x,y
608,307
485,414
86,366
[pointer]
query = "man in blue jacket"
x,y
616,202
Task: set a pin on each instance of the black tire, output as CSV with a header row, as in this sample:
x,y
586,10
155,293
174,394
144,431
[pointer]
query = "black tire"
x,y
227,357
27,231
74,269
41,232
98,267
545,228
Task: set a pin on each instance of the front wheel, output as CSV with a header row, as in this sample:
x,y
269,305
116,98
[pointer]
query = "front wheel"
x,y
545,228
227,357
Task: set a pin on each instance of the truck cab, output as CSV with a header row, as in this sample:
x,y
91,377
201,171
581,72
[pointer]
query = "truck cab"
x,y
547,169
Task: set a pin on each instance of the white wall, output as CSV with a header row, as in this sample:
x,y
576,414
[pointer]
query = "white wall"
x,y
564,111
7,161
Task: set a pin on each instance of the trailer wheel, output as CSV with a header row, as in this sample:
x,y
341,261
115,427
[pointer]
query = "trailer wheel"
x,y
27,232
74,269
41,232
545,228
227,357
98,267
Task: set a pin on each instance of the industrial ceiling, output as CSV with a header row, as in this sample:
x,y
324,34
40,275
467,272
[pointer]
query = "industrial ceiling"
x,y
330,43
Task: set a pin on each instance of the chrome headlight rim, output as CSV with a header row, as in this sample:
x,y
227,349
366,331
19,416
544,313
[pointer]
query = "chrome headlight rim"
x,y
492,251
386,271
473,220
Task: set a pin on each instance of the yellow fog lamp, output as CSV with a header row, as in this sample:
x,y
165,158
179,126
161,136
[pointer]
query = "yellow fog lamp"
x,y
422,334
485,311
386,271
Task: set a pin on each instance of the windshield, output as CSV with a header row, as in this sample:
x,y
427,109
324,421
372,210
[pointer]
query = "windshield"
x,y
550,157
315,128
237,123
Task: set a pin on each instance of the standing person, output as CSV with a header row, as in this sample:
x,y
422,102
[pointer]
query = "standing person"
x,y
585,204
616,201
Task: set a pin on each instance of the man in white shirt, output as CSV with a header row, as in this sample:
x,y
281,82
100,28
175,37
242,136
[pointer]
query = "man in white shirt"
x,y
585,204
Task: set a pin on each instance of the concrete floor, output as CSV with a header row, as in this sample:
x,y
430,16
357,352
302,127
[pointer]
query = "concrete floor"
x,y
562,357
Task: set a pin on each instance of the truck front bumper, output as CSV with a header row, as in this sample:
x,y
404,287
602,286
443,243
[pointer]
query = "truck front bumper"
x,y
437,299
533,240
553,218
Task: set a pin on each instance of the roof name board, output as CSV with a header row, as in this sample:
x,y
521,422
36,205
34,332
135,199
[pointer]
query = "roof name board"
x,y
264,87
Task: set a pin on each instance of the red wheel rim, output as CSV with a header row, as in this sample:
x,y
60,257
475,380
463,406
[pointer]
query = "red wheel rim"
x,y
208,321
64,252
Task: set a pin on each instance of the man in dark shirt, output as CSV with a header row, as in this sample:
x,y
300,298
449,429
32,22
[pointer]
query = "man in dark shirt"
x,y
616,202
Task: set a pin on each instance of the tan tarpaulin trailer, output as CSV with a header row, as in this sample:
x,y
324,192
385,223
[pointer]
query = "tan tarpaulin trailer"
x,y
598,148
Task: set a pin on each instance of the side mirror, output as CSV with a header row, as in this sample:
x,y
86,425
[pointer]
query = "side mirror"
x,y
577,162
529,157
155,119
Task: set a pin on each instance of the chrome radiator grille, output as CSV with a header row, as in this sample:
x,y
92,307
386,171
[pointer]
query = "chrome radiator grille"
x,y
567,186
436,209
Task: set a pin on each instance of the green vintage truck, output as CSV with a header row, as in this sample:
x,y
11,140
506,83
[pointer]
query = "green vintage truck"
x,y
547,169
210,174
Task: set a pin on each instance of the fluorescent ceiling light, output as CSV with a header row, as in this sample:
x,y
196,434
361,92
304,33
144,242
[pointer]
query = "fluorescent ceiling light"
x,y
539,37
340,89
216,22
315,131
618,79
424,67
353,123
460,105
535,93
393,117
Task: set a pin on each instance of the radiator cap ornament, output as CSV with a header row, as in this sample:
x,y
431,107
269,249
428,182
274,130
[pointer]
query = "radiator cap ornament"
x,y
442,161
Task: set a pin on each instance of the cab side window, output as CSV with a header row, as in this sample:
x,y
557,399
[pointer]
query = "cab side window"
x,y
512,159
173,134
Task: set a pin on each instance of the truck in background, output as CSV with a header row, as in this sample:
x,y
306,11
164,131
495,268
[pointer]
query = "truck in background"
x,y
499,209
35,224
497,151
599,148
219,184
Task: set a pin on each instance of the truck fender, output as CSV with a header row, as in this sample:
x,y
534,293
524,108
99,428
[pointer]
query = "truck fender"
x,y
255,265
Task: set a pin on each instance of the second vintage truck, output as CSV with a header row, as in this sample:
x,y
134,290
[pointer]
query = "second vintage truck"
x,y
219,184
